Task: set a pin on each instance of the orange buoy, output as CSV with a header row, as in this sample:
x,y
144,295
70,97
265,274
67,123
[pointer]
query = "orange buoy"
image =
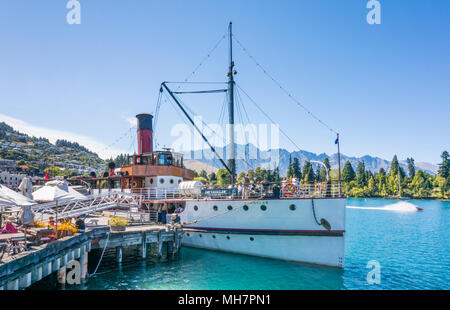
x,y
289,189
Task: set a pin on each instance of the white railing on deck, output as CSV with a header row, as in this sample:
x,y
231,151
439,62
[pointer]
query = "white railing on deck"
x,y
251,191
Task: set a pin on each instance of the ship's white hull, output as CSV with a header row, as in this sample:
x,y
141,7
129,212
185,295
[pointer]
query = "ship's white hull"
x,y
286,229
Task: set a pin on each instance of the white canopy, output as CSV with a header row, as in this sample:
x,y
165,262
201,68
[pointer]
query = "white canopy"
x,y
9,197
56,190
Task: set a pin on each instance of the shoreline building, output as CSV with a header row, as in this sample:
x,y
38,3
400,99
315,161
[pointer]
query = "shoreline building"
x,y
11,179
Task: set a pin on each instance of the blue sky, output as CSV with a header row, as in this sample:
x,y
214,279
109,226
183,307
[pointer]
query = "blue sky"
x,y
385,87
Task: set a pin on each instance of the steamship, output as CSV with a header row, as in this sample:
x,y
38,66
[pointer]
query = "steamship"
x,y
291,221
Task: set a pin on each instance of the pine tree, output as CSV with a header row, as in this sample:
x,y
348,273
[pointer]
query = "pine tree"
x,y
323,171
348,174
361,175
308,173
296,170
372,187
276,175
203,174
444,172
394,166
290,171
212,178
317,173
444,167
411,168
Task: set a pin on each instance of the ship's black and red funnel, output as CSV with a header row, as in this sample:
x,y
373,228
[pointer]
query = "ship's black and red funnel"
x,y
144,133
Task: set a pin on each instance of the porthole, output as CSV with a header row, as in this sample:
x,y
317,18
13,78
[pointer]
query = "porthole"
x,y
228,237
214,236
161,181
245,208
230,208
151,181
215,208
263,207
200,235
171,181
195,208
292,207
188,234
252,239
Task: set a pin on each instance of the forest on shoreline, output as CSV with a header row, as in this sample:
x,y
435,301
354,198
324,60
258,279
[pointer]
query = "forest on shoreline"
x,y
359,183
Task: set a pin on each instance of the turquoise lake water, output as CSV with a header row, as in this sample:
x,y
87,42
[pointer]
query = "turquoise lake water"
x,y
412,248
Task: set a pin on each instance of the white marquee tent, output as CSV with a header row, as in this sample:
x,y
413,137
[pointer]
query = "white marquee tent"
x,y
56,190
10,198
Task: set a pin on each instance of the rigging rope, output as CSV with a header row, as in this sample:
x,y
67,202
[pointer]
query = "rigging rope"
x,y
282,88
204,59
195,70
268,117
118,139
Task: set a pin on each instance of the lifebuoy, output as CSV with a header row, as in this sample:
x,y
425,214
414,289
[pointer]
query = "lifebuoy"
x,y
319,188
289,189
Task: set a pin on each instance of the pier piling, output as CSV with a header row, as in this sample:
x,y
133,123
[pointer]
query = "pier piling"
x,y
119,252
144,246
160,244
84,265
62,275
169,248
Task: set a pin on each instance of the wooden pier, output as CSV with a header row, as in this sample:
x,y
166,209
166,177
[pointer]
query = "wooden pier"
x,y
22,270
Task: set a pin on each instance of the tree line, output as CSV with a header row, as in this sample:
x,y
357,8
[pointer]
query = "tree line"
x,y
355,183
397,182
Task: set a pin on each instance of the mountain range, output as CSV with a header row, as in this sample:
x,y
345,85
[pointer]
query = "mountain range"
x,y
249,157
40,152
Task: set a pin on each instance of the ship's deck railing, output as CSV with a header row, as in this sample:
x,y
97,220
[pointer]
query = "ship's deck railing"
x,y
239,191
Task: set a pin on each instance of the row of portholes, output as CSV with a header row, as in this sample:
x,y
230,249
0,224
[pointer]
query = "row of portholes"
x,y
171,181
214,236
263,207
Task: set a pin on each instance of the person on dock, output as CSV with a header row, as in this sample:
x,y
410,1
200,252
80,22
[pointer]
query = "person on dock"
x,y
265,186
51,222
180,208
9,227
164,216
159,218
80,225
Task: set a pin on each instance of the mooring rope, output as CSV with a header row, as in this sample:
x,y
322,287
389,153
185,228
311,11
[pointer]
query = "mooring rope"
x,y
101,257
314,213
323,222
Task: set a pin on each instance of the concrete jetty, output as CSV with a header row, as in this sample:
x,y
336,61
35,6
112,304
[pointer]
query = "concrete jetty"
x,y
21,270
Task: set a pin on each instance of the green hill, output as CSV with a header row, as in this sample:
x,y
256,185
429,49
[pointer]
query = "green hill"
x,y
38,153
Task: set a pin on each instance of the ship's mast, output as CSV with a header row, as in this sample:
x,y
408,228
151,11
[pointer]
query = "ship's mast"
x,y
231,72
